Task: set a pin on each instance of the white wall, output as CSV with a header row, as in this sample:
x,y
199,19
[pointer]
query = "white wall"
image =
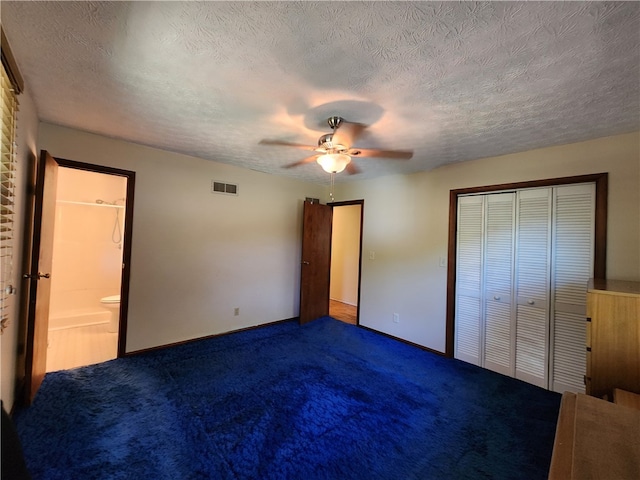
x,y
197,255
27,129
345,254
406,224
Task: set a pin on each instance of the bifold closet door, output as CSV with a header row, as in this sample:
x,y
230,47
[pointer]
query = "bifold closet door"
x,y
468,318
484,326
498,283
522,266
572,267
533,251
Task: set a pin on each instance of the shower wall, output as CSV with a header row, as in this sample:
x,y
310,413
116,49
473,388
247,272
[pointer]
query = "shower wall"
x,y
87,252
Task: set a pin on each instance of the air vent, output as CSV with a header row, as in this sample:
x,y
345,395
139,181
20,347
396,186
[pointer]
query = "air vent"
x,y
222,187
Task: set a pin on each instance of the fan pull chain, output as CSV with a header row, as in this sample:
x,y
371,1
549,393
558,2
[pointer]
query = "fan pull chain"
x,y
333,175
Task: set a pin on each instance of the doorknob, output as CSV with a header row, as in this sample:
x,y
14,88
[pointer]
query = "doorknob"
x,y
305,263
39,276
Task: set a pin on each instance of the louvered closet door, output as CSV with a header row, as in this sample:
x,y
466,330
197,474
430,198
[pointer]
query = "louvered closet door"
x,y
498,280
572,266
532,285
468,321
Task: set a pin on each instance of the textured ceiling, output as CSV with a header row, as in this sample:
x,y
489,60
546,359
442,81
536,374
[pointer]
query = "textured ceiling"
x,y
451,81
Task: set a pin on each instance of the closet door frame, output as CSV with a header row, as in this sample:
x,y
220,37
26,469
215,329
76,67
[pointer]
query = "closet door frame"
x,y
601,181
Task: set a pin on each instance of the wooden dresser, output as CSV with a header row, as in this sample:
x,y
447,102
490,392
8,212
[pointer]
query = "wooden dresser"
x,y
595,439
613,337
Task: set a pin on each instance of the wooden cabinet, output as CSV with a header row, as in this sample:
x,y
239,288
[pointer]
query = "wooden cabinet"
x,y
613,337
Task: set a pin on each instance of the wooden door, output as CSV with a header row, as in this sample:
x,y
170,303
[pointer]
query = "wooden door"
x,y
38,277
316,261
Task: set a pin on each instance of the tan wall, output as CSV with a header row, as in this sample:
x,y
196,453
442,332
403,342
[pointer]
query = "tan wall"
x,y
197,255
27,129
406,224
345,254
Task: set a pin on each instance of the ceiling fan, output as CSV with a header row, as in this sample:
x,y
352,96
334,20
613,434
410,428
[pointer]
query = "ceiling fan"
x,y
335,149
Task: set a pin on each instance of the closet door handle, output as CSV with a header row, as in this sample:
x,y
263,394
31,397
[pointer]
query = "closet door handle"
x,y
530,302
496,297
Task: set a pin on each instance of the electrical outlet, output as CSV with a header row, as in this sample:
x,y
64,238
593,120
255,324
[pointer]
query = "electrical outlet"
x,y
236,311
396,318
443,262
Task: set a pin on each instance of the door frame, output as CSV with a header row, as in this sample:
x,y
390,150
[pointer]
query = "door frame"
x,y
126,239
601,181
24,392
346,204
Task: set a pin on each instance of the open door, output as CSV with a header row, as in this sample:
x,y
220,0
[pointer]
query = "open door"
x,y
38,277
316,261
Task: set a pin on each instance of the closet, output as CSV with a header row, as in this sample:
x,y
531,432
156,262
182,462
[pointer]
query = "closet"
x,y
523,260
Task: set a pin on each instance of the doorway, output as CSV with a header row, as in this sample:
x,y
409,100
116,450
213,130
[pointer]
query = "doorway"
x,y
86,274
346,240
38,265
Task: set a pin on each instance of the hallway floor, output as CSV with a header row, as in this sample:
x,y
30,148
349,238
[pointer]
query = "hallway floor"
x,y
343,312
80,346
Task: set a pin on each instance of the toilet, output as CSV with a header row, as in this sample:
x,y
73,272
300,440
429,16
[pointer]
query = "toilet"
x,y
112,304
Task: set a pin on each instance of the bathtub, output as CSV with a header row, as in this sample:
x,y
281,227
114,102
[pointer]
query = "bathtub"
x,y
78,319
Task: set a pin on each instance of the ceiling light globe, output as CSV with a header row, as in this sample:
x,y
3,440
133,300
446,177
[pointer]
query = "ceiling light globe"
x,y
334,162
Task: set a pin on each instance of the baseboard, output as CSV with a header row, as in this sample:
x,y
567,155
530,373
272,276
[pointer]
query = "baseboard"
x,y
191,340
184,342
421,347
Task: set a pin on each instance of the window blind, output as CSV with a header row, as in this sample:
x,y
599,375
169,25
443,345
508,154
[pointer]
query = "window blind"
x,y
7,197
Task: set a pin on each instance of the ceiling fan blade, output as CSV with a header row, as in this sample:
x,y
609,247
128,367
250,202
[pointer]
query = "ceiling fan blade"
x,y
352,168
369,152
347,133
286,144
301,162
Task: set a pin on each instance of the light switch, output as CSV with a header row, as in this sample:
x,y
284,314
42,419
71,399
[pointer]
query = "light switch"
x,y
372,255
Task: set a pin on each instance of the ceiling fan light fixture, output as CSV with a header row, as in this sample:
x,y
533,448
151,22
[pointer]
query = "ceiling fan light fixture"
x,y
333,162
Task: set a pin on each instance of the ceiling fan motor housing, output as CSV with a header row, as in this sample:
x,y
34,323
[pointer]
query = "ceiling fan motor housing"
x,y
334,122
325,144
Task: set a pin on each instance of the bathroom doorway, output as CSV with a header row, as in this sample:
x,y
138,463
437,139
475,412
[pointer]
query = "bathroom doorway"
x,y
86,274
346,242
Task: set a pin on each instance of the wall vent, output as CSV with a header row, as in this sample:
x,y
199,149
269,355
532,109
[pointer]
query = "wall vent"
x,y
222,187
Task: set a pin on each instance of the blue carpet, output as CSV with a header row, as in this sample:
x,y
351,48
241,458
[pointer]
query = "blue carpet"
x,y
322,401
